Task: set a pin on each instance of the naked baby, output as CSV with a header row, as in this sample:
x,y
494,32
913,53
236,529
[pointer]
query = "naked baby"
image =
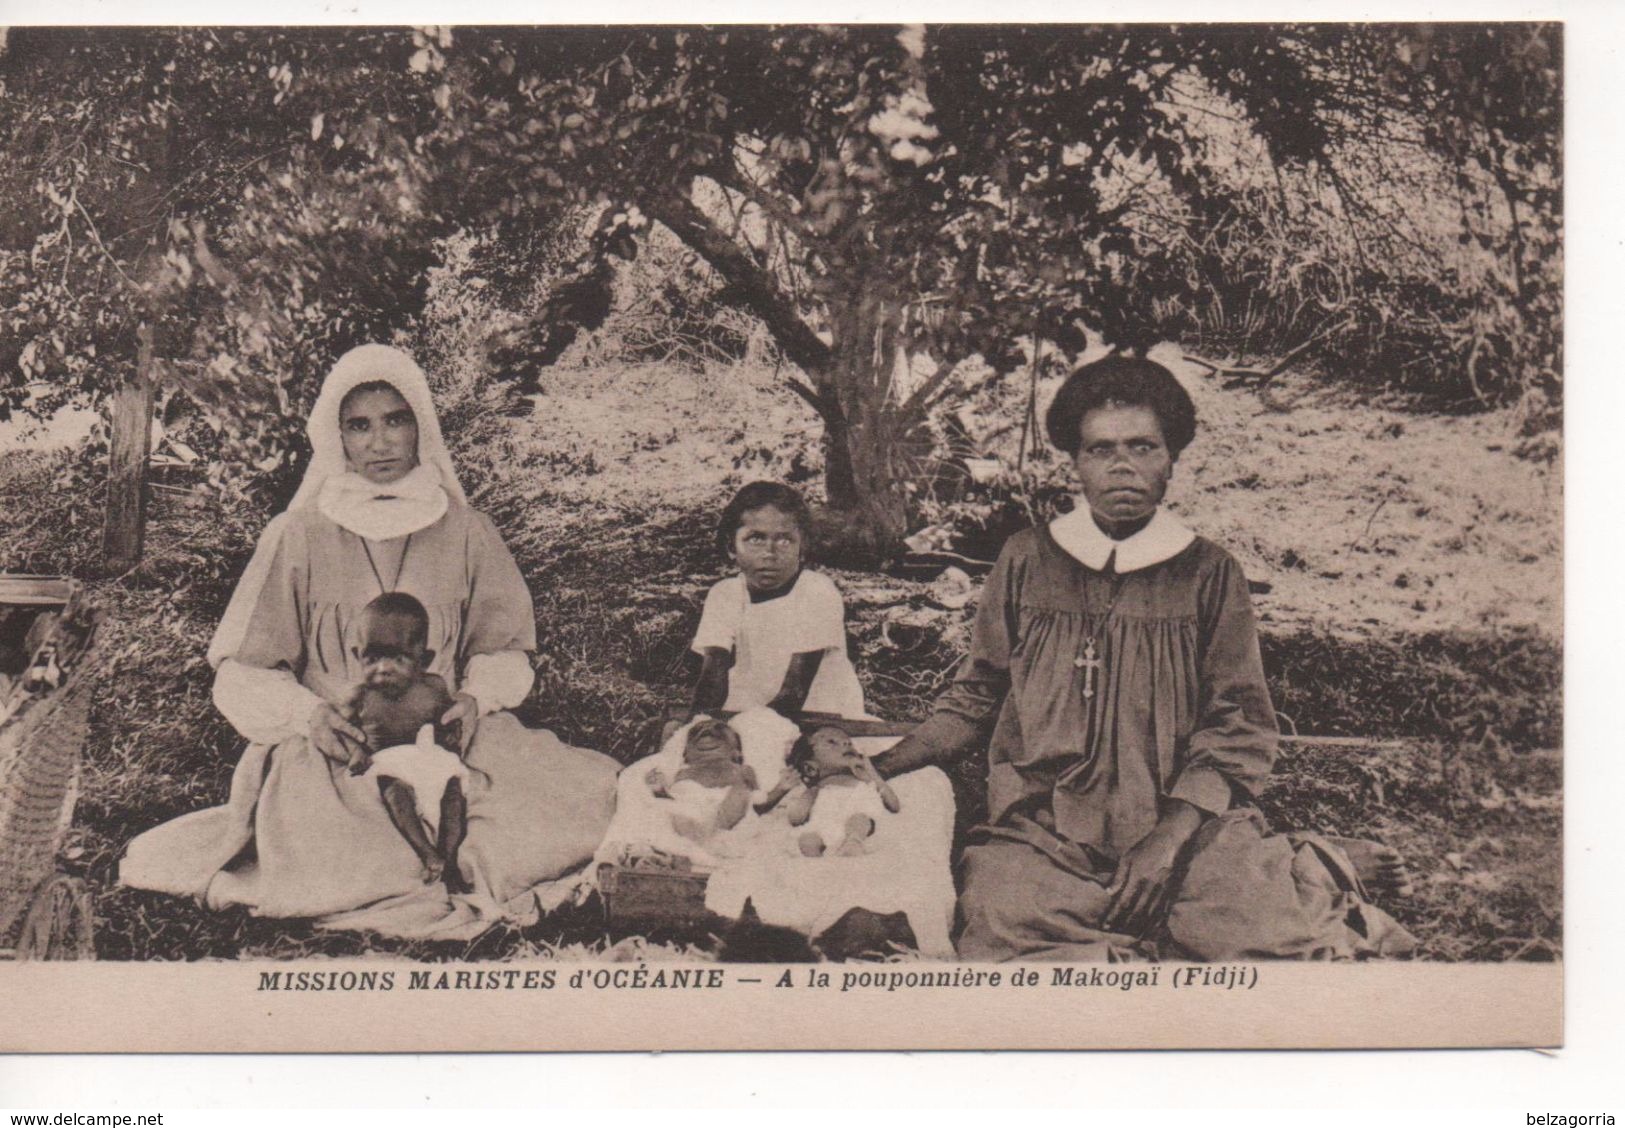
x,y
713,787
843,795
399,705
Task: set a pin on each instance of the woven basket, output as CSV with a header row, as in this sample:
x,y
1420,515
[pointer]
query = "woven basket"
x,y
40,747
649,898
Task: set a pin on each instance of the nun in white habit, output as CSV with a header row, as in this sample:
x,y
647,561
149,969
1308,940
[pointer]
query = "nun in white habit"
x,y
380,509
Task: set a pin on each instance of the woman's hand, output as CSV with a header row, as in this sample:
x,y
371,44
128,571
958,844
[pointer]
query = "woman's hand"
x,y
329,732
1142,885
906,755
465,714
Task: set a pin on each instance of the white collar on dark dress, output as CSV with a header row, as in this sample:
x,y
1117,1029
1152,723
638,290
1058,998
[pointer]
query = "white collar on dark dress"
x,y
1165,537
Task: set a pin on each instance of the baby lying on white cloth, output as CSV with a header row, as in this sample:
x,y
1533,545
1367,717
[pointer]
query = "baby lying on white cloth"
x,y
904,866
647,819
840,799
713,787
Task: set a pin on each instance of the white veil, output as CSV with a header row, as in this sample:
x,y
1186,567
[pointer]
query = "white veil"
x,y
419,498
363,365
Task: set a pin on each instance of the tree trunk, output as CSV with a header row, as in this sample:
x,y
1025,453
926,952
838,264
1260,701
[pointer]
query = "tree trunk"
x,y
864,470
131,442
840,479
868,515
866,464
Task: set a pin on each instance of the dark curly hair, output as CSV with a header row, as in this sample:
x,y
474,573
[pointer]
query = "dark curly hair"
x,y
1122,381
762,495
401,606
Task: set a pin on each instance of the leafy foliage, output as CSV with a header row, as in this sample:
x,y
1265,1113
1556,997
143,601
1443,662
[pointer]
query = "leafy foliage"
x,y
891,206
1424,249
197,181
894,205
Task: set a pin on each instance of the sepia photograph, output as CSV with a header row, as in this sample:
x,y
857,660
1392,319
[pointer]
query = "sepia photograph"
x,y
811,517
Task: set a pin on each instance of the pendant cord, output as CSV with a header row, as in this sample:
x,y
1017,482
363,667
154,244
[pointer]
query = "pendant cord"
x,y
1090,661
400,566
1117,589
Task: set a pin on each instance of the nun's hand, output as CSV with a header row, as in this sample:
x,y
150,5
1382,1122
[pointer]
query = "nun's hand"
x,y
1143,884
465,714
333,736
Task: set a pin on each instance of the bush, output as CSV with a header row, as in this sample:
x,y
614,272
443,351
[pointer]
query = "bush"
x,y
1392,294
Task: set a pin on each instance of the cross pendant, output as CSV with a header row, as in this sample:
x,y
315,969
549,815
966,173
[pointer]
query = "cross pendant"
x,y
1088,664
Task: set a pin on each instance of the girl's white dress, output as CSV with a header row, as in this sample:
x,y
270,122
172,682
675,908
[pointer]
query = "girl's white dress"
x,y
810,617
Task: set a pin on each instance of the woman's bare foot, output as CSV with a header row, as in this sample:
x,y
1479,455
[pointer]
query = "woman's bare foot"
x,y
1380,868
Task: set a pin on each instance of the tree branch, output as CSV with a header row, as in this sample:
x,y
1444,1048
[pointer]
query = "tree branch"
x,y
759,290
922,399
827,410
726,172
96,235
1234,376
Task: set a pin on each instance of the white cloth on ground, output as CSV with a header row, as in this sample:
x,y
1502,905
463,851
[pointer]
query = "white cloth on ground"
x,y
905,868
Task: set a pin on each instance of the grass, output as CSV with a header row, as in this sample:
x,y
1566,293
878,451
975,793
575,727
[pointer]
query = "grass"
x,y
1470,792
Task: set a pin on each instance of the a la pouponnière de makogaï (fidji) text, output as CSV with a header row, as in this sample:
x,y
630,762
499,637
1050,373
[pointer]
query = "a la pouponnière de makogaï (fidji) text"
x,y
1210,977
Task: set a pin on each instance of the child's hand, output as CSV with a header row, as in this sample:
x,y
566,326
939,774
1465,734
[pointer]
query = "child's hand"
x,y
789,780
864,769
465,714
801,807
798,682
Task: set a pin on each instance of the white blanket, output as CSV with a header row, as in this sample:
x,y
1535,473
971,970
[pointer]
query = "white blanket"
x,y
906,868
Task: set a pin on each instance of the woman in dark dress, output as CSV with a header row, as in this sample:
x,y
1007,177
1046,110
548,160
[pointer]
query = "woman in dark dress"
x,y
1116,662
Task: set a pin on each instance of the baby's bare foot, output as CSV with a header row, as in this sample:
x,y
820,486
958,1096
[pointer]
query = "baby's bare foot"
x,y
1380,868
812,846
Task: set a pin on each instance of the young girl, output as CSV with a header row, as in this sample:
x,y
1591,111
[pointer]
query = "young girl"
x,y
775,634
